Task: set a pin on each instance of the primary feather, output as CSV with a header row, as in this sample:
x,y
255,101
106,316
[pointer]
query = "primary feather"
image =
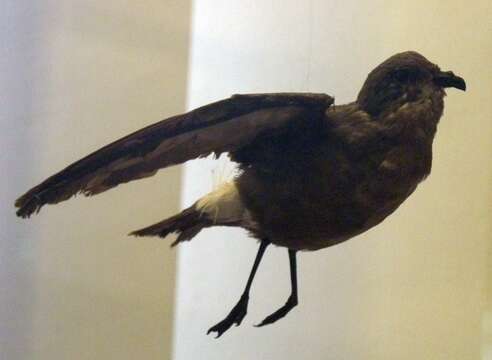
x,y
218,127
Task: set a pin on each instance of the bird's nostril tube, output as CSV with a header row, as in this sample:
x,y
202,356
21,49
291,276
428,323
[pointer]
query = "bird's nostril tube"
x,y
449,79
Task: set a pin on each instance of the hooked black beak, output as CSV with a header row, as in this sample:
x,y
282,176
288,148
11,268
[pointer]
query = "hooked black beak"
x,y
448,79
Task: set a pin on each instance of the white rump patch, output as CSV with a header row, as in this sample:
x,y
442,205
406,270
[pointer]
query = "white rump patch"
x,y
224,206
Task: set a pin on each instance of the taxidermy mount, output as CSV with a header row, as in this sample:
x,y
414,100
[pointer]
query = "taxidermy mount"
x,y
312,174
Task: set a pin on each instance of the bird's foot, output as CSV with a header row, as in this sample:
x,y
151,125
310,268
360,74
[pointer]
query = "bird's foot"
x,y
236,315
280,313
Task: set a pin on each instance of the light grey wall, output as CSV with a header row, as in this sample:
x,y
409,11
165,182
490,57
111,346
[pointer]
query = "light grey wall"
x,y
76,75
413,288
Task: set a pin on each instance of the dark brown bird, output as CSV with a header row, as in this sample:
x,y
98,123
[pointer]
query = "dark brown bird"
x,y
313,174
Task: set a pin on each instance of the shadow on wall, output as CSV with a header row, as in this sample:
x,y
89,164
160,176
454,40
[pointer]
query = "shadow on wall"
x,y
20,57
78,76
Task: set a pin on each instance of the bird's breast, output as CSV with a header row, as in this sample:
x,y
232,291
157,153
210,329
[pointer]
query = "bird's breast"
x,y
324,200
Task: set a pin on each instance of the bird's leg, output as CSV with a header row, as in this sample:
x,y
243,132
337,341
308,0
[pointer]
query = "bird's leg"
x,y
292,300
239,311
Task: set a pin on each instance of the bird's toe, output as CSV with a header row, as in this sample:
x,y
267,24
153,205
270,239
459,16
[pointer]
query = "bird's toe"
x,y
280,313
235,316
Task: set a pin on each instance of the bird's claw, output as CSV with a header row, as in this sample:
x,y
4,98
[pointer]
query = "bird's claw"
x,y
236,316
280,313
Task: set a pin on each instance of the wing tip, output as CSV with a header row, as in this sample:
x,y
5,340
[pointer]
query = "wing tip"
x,y
27,205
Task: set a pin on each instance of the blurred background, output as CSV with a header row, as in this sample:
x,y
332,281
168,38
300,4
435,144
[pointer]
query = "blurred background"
x,y
76,75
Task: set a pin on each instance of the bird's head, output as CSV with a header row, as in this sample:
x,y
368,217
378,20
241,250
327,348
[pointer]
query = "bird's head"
x,y
404,77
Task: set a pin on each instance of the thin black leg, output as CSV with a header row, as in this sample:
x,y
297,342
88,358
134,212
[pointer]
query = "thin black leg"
x,y
239,311
292,300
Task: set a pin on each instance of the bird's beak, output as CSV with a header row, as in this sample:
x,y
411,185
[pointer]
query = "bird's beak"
x,y
448,79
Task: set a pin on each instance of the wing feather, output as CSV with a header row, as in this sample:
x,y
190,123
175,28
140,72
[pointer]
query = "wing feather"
x,y
219,127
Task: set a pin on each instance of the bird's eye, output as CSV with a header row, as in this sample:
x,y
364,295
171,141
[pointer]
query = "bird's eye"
x,y
402,75
406,75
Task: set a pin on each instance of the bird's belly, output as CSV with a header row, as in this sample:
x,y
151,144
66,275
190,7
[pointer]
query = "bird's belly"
x,y
302,213
324,223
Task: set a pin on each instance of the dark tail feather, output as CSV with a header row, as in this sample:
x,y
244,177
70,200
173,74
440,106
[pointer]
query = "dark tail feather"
x,y
187,224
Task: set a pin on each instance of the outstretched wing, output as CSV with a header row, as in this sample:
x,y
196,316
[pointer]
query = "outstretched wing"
x,y
219,127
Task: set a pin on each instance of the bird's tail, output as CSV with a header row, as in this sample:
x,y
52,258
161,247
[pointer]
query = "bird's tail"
x,y
187,224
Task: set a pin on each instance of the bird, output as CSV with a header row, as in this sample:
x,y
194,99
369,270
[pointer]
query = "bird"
x,y
312,174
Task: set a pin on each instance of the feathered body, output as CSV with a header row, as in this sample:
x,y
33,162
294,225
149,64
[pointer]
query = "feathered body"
x,y
328,188
332,176
312,174
312,189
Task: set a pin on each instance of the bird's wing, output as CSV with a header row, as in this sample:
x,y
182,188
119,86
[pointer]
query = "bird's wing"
x,y
219,127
